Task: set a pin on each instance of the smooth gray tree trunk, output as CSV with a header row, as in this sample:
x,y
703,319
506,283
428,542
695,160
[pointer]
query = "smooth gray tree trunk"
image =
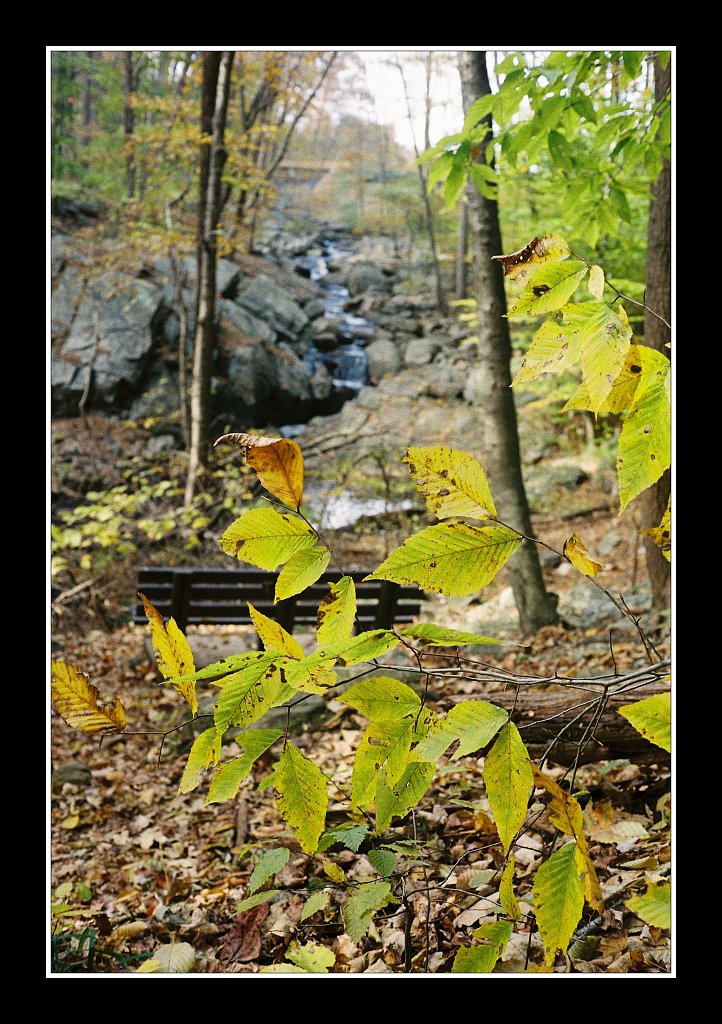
x,y
496,410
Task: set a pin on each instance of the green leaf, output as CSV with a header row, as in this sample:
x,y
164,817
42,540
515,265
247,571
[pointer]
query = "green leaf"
x,y
654,905
506,890
266,538
248,694
313,958
508,779
632,62
307,678
349,835
485,179
273,636
478,111
315,902
451,558
397,800
205,751
383,861
357,649
558,899
303,797
652,717
452,482
473,722
560,151
584,107
229,776
386,742
620,204
359,908
253,901
442,636
439,169
301,571
623,390
549,289
336,613
482,959
596,282
456,178
382,698
267,866
645,441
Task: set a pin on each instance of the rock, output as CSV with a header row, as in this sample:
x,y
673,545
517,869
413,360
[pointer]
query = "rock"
x,y
65,300
363,277
276,308
126,319
228,275
73,772
266,382
235,318
410,303
549,559
585,607
83,211
369,398
565,474
448,382
323,328
383,358
171,324
609,542
326,342
421,351
161,443
321,383
160,394
314,308
57,254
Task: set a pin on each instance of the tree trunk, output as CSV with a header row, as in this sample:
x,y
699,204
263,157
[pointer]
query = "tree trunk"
x,y
216,83
497,411
653,501
129,123
461,275
440,293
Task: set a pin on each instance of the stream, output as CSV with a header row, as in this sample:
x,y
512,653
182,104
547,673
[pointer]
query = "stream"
x,y
347,364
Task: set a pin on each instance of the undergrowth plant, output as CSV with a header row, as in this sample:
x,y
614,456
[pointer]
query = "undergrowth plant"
x,y
398,755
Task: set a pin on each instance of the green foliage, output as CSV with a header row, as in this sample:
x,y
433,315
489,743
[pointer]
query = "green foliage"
x,y
482,959
652,717
302,796
559,899
654,905
267,866
508,779
361,905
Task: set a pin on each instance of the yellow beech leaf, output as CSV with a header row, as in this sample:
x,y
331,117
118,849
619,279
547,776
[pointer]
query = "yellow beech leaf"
x,y
336,613
662,534
172,652
76,700
273,636
278,462
652,717
654,905
577,554
564,810
333,871
452,482
506,890
596,282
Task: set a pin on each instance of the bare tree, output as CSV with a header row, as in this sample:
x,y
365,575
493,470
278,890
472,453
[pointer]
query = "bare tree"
x,y
497,411
214,102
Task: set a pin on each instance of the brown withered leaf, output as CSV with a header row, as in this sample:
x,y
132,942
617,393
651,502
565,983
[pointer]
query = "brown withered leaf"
x,y
520,265
277,461
243,942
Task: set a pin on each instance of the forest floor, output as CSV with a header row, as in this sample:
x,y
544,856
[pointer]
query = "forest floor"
x,y
135,865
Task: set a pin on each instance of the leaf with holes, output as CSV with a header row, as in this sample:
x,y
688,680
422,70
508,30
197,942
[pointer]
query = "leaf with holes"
x,y
386,742
452,482
662,534
173,653
622,392
267,866
302,796
205,752
301,571
654,905
652,717
278,463
336,613
360,906
266,538
473,722
313,958
229,776
76,700
550,288
519,266
645,440
307,678
575,552
558,899
508,779
452,558
248,694
482,959
273,636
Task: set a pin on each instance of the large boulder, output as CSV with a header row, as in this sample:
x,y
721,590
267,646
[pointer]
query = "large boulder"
x,y
364,277
421,351
126,313
65,300
228,275
265,382
237,318
383,358
270,303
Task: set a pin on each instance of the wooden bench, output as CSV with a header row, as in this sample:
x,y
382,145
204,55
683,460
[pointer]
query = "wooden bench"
x,y
219,596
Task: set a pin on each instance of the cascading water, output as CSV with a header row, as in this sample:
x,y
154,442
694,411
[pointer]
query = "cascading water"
x,y
347,364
